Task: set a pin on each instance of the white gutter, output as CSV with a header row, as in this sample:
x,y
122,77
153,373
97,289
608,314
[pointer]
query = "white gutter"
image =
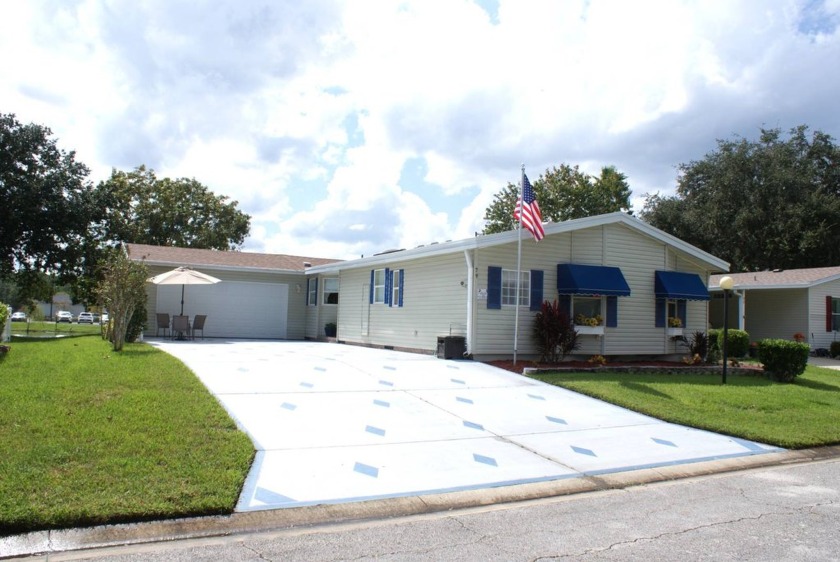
x,y
470,293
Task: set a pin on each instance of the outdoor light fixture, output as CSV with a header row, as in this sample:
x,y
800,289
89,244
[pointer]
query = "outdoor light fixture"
x,y
726,283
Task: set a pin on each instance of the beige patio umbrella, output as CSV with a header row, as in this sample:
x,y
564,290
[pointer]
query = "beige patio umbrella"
x,y
183,276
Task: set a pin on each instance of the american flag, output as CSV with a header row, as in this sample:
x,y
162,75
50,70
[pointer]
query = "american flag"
x,y
531,217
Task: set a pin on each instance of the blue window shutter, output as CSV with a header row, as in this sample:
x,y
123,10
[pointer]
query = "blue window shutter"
x,y
494,287
612,312
661,308
402,286
536,289
371,286
316,292
308,281
565,304
388,283
682,312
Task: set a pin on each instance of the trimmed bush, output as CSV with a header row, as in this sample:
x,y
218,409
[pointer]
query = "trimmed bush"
x,y
834,349
738,342
783,360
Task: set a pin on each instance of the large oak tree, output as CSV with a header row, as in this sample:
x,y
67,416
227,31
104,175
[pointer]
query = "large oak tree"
x,y
563,193
765,204
144,209
46,203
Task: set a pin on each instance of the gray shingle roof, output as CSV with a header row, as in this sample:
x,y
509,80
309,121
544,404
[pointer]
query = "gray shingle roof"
x,y
164,255
785,278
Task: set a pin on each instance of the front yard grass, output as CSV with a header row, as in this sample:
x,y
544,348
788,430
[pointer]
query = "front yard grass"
x,y
803,414
90,436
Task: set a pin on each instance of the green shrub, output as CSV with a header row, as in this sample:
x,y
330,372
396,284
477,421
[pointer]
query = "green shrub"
x,y
4,314
738,341
834,349
783,360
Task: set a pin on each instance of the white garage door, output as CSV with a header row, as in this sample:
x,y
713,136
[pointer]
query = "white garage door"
x,y
233,309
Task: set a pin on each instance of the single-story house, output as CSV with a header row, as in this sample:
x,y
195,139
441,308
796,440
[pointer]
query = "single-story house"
x,y
630,287
260,296
644,285
781,303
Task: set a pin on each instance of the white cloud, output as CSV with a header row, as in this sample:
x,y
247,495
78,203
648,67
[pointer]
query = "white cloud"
x,y
306,113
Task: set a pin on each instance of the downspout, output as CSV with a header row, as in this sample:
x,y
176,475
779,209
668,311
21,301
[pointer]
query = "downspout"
x,y
470,293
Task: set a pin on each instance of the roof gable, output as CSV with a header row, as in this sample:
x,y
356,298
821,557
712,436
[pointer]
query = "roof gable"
x,y
489,240
166,255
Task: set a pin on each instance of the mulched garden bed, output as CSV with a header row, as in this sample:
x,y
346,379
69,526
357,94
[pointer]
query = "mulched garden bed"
x,y
528,367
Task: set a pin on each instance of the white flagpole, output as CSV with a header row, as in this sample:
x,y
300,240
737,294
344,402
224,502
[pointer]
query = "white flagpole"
x,y
518,266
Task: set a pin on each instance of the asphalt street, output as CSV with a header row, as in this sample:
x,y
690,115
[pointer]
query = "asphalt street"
x,y
788,512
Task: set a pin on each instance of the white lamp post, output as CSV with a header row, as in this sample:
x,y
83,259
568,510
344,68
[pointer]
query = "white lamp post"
x,y
726,283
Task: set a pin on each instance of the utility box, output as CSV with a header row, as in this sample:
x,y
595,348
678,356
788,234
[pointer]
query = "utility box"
x,y
451,347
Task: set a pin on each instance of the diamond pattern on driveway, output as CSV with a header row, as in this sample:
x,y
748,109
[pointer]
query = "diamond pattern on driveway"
x,y
336,423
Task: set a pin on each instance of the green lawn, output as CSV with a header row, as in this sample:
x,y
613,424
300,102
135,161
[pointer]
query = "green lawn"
x,y
803,414
90,436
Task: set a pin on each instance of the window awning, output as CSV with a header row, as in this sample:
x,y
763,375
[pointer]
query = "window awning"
x,y
677,285
597,280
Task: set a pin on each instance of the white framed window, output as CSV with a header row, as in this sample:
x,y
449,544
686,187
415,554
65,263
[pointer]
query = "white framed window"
x,y
587,311
379,286
330,290
835,314
509,288
395,287
672,317
312,292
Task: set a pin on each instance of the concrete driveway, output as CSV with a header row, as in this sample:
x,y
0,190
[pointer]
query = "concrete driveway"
x,y
337,423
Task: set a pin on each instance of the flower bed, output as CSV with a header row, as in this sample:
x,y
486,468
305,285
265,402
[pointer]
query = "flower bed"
x,y
667,367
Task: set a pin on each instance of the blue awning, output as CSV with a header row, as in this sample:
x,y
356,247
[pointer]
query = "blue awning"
x,y
598,280
677,285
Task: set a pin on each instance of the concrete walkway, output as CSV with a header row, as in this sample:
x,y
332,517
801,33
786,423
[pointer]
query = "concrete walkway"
x,y
337,423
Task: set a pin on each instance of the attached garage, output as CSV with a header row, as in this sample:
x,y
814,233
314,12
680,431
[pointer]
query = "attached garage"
x,y
260,296
234,309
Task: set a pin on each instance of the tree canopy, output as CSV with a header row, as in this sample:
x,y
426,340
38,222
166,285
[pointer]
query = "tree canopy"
x,y
47,202
563,193
143,209
765,204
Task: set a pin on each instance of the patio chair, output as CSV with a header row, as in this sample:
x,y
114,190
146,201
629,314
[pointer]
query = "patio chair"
x,y
180,327
162,323
198,324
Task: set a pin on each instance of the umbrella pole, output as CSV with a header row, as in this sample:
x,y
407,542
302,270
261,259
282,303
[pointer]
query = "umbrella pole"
x,y
182,300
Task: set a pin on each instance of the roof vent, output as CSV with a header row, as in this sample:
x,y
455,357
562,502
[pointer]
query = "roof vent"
x,y
306,264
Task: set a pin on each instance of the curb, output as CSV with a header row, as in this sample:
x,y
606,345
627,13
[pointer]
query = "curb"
x,y
62,540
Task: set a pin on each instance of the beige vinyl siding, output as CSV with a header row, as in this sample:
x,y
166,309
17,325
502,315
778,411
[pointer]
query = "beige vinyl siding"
x,y
776,313
296,321
434,304
817,335
320,315
636,254
494,329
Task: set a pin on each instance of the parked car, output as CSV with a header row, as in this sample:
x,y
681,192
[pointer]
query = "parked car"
x,y
64,316
85,318
19,317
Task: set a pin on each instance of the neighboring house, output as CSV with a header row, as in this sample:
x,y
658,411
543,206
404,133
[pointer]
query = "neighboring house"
x,y
60,301
260,296
781,303
632,275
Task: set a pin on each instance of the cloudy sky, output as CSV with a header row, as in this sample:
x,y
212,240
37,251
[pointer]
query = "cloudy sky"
x,y
350,127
